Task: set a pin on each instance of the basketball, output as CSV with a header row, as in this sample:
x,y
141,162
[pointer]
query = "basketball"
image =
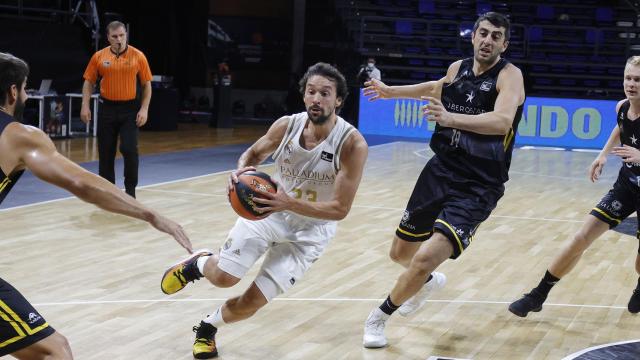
x,y
241,197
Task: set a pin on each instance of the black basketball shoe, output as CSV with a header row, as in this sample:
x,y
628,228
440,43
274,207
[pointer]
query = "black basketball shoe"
x,y
529,302
204,347
634,302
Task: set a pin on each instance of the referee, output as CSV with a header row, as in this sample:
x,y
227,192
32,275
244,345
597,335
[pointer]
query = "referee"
x,y
120,113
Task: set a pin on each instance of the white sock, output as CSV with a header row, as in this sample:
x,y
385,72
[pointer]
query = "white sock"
x,y
200,263
216,318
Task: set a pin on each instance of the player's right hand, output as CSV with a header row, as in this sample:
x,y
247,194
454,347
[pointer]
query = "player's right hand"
x,y
85,114
233,177
596,168
377,90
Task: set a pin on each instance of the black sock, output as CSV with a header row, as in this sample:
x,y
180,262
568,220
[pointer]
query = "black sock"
x,y
429,278
638,286
191,271
546,284
388,307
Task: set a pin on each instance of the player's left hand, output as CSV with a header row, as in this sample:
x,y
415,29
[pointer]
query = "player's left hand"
x,y
435,111
627,153
274,202
141,118
172,228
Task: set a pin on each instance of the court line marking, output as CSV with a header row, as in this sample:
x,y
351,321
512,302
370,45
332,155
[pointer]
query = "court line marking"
x,y
543,148
184,192
139,187
377,207
534,218
587,150
418,153
480,302
144,187
581,352
580,178
496,216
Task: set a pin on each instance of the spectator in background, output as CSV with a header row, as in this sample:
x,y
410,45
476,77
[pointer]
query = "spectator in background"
x,y
369,71
56,118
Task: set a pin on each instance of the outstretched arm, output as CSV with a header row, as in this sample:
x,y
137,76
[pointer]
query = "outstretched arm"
x,y
36,152
376,89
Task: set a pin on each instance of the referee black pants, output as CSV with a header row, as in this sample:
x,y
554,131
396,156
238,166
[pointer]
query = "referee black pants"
x,y
118,118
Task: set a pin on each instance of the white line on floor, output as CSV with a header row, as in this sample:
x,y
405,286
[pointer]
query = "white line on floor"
x,y
373,300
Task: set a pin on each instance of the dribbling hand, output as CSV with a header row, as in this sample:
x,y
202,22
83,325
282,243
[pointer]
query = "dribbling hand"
x,y
274,202
233,177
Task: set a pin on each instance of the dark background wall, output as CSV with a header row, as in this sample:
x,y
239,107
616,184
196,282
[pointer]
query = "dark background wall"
x,y
174,37
171,33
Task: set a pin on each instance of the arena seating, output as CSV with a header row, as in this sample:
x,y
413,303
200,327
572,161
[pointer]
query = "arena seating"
x,y
573,48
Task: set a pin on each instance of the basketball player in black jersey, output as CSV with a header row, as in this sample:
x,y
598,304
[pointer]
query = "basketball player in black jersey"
x,y
620,202
24,333
477,106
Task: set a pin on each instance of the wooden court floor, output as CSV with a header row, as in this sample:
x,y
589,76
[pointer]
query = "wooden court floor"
x,y
95,276
188,136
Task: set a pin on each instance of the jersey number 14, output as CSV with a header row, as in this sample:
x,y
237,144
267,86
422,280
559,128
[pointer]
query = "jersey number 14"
x,y
455,137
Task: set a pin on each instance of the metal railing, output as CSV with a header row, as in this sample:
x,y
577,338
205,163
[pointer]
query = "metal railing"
x,y
68,11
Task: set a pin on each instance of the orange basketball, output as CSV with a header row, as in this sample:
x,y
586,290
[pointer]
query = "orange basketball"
x,y
241,197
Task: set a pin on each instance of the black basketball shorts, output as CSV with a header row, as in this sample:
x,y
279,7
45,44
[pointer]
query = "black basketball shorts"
x,y
620,202
446,202
20,324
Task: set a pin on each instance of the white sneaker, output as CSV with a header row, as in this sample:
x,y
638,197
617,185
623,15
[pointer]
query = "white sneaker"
x,y
374,329
420,298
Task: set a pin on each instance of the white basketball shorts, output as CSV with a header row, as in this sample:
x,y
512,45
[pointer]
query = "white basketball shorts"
x,y
291,245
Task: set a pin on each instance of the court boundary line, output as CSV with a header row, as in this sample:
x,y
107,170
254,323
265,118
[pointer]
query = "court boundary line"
x,y
496,216
584,351
185,193
156,184
445,301
418,153
376,207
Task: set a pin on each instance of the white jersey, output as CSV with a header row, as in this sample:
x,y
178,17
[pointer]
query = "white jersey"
x,y
310,174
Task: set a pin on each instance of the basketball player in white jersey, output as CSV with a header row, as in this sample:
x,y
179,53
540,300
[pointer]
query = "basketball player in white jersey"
x,y
319,159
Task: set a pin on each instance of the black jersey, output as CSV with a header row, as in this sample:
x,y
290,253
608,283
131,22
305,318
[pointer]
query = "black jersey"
x,y
629,135
7,180
485,158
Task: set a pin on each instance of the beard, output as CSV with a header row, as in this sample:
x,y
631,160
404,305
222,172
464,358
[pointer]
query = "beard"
x,y
318,120
18,112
